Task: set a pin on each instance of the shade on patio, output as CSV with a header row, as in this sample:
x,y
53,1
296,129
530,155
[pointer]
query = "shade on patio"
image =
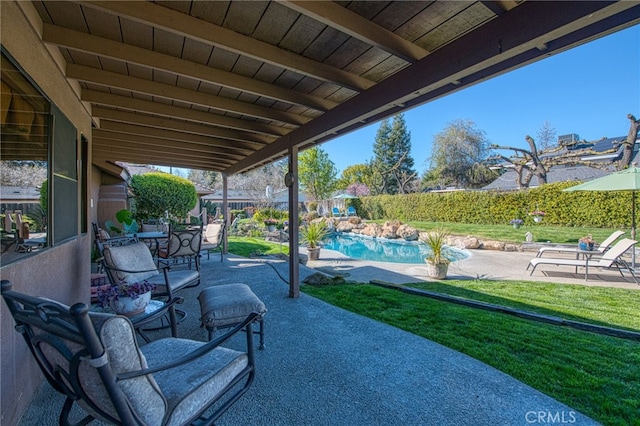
x,y
625,180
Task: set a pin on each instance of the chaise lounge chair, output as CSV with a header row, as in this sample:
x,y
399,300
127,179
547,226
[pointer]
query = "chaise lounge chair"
x,y
351,211
336,212
612,258
604,246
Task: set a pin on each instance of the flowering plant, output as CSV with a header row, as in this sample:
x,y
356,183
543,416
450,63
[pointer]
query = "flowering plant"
x,y
516,221
270,222
124,289
537,213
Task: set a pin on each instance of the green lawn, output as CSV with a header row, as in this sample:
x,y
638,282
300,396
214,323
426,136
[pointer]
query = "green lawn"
x,y
248,246
594,374
541,233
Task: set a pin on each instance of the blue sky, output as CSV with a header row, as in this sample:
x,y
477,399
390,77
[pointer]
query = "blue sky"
x,y
588,90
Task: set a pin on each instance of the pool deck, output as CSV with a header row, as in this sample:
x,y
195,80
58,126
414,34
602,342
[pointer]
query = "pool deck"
x,y
486,264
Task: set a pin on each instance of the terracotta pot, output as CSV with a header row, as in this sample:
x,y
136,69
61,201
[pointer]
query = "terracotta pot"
x,y
314,253
127,306
437,270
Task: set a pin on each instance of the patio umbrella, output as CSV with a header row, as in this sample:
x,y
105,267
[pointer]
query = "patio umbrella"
x,y
625,180
341,198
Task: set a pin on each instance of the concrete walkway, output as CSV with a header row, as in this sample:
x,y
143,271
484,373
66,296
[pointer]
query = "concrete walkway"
x,y
488,264
326,366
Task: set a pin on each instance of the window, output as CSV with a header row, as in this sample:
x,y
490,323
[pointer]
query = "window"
x,y
38,168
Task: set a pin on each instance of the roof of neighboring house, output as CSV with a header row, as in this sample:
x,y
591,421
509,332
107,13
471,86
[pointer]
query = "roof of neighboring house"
x,y
233,195
507,181
19,194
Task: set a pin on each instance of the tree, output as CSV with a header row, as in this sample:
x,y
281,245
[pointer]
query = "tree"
x,y
458,157
358,173
155,193
205,178
392,164
261,184
547,136
629,143
528,162
316,173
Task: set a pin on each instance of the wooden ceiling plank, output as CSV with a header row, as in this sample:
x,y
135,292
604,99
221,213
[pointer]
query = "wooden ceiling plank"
x,y
121,81
255,139
198,29
103,161
136,141
118,150
160,158
521,30
241,147
336,16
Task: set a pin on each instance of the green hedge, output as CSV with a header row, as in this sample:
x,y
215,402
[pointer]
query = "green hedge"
x,y
596,209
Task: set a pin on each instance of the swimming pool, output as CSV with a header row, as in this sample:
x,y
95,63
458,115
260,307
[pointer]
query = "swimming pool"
x,y
384,250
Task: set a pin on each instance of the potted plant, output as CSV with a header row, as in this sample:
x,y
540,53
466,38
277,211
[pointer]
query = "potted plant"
x,y
586,243
127,299
517,223
312,235
537,215
271,224
437,262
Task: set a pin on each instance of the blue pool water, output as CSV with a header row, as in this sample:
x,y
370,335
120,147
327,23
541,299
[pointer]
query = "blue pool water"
x,y
384,250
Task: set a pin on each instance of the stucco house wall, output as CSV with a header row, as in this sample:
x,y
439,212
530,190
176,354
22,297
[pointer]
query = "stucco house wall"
x,y
61,272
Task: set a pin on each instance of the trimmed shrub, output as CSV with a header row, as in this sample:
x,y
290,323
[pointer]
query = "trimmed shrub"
x,y
155,193
599,209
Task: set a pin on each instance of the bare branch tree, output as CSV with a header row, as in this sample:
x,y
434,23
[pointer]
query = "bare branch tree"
x,y
627,153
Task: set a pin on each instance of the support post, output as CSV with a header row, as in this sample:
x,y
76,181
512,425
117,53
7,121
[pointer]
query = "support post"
x,y
294,259
226,214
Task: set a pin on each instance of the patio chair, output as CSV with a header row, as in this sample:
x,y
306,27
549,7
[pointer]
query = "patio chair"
x,y
336,212
183,247
95,361
604,246
213,238
612,258
351,211
133,263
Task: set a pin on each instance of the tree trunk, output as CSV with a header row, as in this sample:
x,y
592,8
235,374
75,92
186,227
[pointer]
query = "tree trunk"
x,y
627,152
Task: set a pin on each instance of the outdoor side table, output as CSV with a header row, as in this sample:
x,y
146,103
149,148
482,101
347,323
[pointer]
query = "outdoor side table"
x,y
156,309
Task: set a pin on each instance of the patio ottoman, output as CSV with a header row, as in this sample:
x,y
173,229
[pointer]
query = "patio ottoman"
x,y
227,305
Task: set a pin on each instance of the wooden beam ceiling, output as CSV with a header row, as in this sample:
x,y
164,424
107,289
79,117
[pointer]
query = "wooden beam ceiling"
x,y
230,86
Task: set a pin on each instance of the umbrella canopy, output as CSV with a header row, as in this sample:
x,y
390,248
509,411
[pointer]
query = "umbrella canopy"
x,y
625,180
340,200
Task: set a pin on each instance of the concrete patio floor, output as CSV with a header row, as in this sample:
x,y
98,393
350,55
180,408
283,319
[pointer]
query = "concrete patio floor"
x,y
326,366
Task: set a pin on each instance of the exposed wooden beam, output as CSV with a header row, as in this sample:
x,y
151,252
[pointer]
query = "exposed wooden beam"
x,y
152,144
122,152
135,104
503,38
88,43
255,139
167,91
133,129
342,19
197,29
200,163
